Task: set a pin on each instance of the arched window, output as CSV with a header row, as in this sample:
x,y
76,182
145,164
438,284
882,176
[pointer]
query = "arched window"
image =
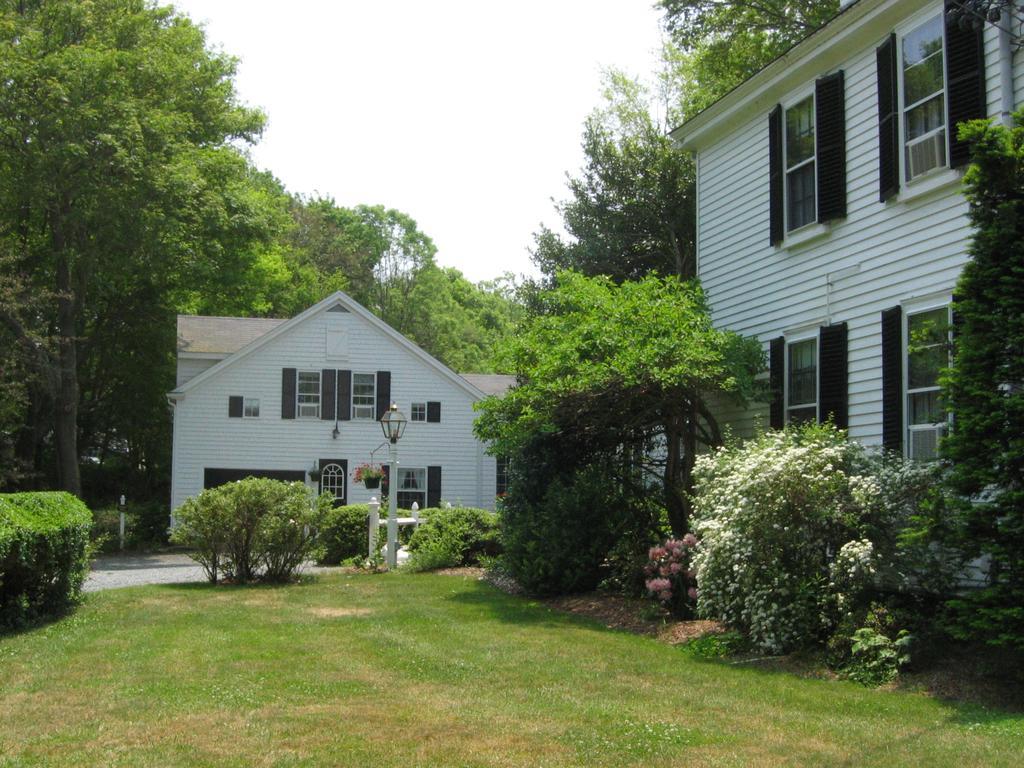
x,y
332,480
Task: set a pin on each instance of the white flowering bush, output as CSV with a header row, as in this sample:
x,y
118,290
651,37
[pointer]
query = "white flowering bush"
x,y
796,527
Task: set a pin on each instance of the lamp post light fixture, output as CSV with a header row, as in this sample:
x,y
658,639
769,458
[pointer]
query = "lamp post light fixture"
x,y
393,424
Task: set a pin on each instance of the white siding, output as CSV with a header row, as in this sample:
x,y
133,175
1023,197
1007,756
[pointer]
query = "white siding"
x,y
190,367
204,435
887,253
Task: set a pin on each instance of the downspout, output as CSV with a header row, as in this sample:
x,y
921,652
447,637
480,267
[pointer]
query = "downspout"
x,y
1006,103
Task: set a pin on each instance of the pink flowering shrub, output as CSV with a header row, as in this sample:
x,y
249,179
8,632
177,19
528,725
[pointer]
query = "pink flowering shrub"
x,y
669,578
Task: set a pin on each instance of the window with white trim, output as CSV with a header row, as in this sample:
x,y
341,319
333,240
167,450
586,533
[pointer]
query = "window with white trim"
x,y
801,180
251,407
364,396
923,99
501,476
307,395
419,412
927,353
802,381
412,486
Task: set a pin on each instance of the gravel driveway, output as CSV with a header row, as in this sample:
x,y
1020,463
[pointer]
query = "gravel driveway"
x,y
113,571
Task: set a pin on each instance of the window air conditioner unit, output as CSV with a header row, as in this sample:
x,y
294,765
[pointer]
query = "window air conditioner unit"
x,y
924,442
927,154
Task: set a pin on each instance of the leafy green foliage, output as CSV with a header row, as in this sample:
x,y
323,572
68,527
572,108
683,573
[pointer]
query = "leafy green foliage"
x,y
253,528
604,366
44,540
631,212
146,527
985,386
344,533
716,645
452,537
717,45
800,529
875,658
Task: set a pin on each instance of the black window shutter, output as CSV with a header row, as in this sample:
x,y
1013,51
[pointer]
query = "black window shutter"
x,y
776,371
328,382
965,81
888,121
892,379
433,486
383,393
344,396
775,176
832,375
830,130
288,376
235,406
433,411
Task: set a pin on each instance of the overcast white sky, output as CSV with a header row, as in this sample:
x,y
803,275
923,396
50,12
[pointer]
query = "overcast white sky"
x,y
463,114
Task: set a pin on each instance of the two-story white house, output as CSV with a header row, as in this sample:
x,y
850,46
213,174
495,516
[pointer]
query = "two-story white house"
x,y
831,222
300,399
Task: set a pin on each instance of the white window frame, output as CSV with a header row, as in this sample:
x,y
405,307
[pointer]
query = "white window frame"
x,y
299,404
361,410
902,31
801,338
250,404
423,490
786,170
420,408
909,310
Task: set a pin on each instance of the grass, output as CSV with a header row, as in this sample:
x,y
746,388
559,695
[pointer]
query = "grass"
x,y
423,670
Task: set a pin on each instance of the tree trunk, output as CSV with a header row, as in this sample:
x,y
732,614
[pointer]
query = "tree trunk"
x,y
65,425
675,503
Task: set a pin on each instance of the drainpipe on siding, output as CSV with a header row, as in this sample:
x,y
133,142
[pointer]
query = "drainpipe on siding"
x,y
1005,70
830,279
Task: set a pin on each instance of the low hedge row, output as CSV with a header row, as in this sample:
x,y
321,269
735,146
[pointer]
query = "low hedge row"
x,y
44,541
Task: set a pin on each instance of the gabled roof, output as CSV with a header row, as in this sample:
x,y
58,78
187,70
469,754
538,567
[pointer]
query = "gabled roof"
x,y
221,335
345,302
490,383
858,26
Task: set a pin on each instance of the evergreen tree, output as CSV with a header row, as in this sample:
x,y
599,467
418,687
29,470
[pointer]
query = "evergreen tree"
x,y
985,386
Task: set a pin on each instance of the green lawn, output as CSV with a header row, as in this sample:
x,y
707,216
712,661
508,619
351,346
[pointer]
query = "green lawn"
x,y
420,670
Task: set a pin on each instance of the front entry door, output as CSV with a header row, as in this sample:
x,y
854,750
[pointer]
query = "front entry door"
x,y
334,479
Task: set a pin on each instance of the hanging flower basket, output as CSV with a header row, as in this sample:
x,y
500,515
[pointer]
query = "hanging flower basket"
x,y
314,473
369,475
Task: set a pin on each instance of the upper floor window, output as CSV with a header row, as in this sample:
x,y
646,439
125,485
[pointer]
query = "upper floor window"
x,y
802,381
927,353
308,395
419,412
924,99
800,172
251,408
364,396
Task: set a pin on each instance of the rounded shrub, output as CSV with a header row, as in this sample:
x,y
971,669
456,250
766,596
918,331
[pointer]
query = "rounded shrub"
x,y
452,537
252,528
799,528
343,534
44,540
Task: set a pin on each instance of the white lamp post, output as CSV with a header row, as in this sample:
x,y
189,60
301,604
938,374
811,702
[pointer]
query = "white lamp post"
x,y
393,423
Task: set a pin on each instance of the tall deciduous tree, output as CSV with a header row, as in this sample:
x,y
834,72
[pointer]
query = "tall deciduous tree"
x,y
985,386
717,44
621,370
631,211
119,174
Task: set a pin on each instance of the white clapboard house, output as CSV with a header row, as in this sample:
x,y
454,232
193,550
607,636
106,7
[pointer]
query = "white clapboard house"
x,y
300,399
831,220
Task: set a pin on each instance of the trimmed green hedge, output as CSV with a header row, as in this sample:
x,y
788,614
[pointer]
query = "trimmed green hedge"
x,y
344,533
44,540
452,537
